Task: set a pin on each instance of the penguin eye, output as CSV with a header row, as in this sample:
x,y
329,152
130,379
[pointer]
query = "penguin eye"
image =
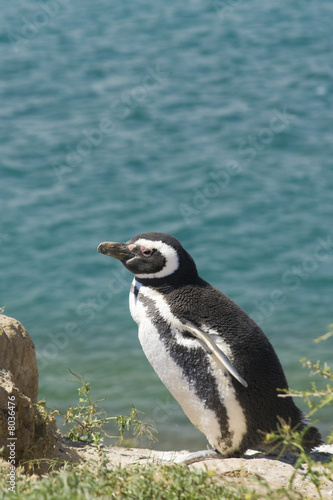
x,y
146,252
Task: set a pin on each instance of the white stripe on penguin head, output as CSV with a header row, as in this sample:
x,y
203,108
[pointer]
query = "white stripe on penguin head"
x,y
169,253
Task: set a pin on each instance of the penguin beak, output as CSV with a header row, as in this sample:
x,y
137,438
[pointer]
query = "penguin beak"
x,y
117,250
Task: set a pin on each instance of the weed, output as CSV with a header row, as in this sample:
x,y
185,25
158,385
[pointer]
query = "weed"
x,y
315,398
292,439
89,419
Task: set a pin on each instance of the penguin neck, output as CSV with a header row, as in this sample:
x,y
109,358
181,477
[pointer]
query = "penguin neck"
x,y
168,283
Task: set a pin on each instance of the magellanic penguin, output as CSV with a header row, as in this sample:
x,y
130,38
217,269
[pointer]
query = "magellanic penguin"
x,y
211,356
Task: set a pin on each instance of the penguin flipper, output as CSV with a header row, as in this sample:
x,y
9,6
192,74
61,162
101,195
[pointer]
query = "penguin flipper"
x,y
211,347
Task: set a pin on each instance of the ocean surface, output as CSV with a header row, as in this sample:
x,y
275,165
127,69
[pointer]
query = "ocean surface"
x,y
211,121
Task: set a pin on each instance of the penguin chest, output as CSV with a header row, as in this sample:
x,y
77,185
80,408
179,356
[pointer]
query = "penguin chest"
x,y
155,335
188,372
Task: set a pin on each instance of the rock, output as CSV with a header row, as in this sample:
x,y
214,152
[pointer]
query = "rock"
x,y
18,356
256,473
19,431
21,421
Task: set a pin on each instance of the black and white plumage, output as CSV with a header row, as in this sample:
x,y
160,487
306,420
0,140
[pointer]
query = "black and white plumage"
x,y
208,352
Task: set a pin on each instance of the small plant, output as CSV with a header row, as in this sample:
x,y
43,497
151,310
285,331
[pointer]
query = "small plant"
x,y
290,439
89,419
315,398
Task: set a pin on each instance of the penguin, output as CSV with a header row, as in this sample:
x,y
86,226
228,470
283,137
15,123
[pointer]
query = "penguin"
x,y
213,358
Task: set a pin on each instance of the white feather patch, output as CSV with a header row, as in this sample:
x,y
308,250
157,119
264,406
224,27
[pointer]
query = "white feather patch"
x,y
169,253
237,420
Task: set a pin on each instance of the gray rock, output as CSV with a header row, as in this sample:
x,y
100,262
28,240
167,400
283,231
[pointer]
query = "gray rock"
x,y
18,356
19,431
18,389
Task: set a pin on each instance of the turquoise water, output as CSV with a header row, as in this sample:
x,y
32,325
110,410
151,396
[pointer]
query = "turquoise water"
x,y
211,121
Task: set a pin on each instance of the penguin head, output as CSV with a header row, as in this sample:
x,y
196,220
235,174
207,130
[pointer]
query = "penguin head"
x,y
152,256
